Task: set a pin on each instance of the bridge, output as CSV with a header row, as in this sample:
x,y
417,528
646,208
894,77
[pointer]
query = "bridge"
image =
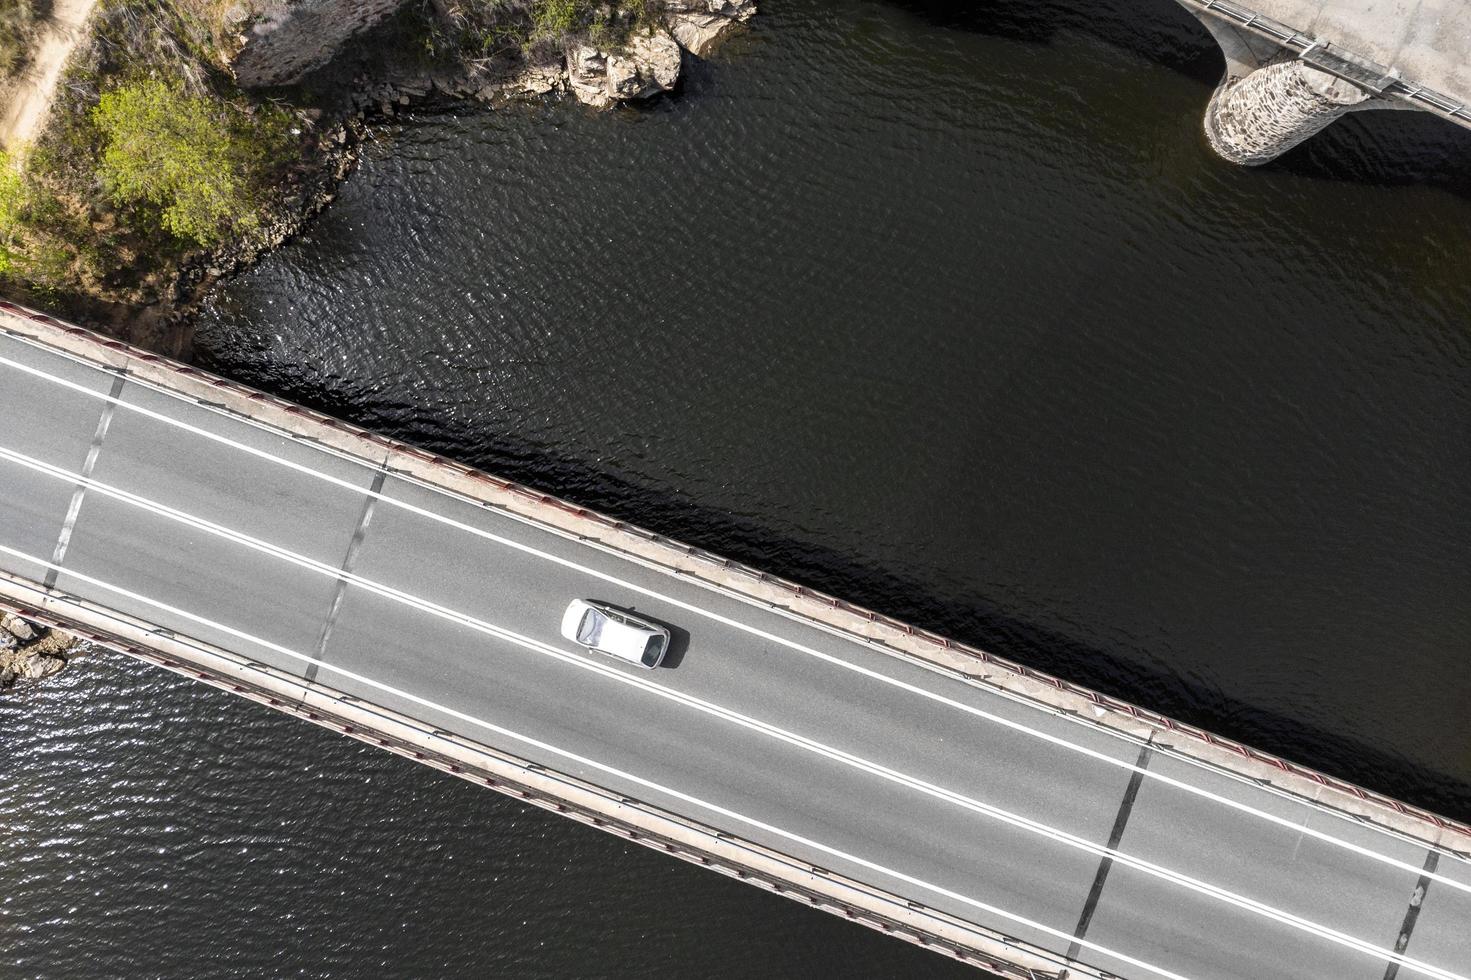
x,y
1294,66
809,747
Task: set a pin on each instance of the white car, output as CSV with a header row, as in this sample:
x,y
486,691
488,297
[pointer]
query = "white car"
x,y
616,632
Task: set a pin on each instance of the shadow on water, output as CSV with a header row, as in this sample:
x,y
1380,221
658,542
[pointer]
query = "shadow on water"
x,y
966,618
1386,148
973,621
1390,148
1160,31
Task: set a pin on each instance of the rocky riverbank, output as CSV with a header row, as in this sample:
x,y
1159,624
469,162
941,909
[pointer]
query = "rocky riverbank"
x,y
30,652
268,101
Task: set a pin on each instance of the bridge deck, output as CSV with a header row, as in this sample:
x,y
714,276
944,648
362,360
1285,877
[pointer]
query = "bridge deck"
x,y
1428,42
1044,827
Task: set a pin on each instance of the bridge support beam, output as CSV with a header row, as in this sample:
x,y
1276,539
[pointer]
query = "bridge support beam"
x,y
1256,118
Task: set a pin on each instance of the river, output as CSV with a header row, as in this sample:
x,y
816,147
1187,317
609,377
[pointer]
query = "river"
x,y
943,307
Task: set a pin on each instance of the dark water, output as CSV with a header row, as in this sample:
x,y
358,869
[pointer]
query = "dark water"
x,y
943,307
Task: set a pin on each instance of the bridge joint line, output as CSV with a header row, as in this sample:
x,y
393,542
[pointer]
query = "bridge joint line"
x,y
1115,838
1412,914
89,464
360,532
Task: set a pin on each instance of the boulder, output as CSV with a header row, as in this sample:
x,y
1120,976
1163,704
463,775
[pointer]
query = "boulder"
x,y
20,628
647,66
539,79
587,75
698,24
41,665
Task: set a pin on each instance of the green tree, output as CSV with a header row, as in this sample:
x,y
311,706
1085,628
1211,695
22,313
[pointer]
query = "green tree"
x,y
200,161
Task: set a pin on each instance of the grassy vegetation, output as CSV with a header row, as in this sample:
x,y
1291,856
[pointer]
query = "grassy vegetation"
x,y
18,21
490,27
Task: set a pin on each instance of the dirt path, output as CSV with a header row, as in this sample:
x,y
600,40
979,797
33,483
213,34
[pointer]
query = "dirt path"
x,y
24,109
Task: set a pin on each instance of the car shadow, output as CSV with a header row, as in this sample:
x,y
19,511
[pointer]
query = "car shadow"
x,y
679,642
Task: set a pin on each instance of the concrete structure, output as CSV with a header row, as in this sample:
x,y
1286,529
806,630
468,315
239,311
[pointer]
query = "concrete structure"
x,y
1294,66
807,746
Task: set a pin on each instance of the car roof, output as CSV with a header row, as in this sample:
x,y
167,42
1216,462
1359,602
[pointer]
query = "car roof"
x,y
621,640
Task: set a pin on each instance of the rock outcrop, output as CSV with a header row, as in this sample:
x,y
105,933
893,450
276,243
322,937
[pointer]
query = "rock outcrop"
x,y
281,41
30,652
698,24
649,64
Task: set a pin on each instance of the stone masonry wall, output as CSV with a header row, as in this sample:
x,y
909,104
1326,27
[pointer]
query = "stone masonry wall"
x,y
1257,118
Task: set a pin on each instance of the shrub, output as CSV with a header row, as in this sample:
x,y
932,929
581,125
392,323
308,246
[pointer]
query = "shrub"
x,y
558,18
12,203
200,162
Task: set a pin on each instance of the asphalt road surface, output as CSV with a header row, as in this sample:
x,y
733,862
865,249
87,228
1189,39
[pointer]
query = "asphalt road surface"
x,y
778,731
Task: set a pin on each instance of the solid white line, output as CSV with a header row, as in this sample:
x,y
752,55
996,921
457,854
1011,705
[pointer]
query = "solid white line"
x,y
1125,764
808,744
599,766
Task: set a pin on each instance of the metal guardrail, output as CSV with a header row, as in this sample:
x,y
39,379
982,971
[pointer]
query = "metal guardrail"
x,y
797,593
1363,72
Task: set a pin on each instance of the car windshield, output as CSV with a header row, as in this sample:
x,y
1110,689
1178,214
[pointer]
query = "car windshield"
x,y
587,630
653,651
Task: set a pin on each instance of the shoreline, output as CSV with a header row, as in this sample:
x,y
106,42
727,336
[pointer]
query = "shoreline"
x,y
331,107
30,651
106,263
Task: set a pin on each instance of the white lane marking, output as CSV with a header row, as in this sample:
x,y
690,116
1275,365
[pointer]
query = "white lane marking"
x,y
599,766
765,728
1416,868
